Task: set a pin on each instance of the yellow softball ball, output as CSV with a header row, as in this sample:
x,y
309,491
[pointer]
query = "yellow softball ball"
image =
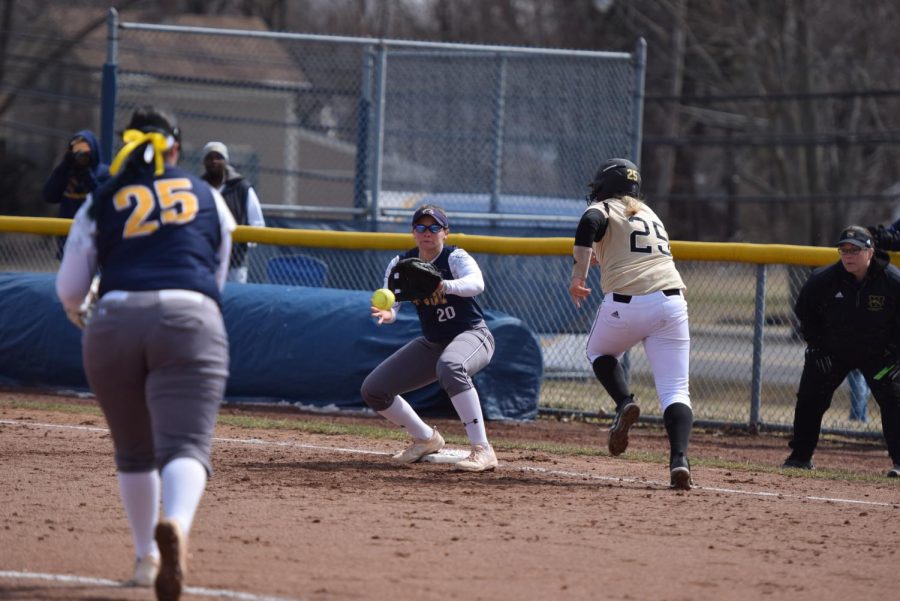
x,y
383,299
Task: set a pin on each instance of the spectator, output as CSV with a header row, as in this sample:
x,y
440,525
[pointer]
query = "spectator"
x,y
859,396
77,175
849,315
886,237
240,198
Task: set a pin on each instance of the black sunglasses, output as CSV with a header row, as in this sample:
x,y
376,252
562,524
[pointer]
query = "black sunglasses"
x,y
433,228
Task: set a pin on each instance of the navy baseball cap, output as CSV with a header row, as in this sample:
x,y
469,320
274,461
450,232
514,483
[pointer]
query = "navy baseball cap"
x,y
434,212
857,236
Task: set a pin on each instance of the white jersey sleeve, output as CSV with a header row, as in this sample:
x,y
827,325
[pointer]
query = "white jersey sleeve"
x,y
468,279
386,284
79,263
226,226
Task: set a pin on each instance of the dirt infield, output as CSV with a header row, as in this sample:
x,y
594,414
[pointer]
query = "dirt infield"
x,y
297,513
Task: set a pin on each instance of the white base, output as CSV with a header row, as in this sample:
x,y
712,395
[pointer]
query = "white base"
x,y
446,456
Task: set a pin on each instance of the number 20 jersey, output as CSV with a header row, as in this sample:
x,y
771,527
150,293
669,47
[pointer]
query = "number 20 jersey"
x,y
443,317
634,252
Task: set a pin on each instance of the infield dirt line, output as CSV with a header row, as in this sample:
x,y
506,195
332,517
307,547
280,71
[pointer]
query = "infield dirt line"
x,y
193,590
534,469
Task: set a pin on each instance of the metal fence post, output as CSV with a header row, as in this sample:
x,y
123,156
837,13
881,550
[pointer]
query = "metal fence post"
x,y
759,322
639,62
108,87
378,131
364,118
499,108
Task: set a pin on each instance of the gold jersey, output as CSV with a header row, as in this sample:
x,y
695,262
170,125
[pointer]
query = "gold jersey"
x,y
634,252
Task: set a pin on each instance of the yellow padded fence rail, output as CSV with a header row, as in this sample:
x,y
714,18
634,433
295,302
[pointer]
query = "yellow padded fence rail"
x,y
782,254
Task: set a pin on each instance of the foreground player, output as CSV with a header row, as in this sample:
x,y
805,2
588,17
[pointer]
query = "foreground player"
x,y
455,345
643,302
155,349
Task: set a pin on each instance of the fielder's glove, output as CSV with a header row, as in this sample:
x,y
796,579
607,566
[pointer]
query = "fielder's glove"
x,y
414,279
820,358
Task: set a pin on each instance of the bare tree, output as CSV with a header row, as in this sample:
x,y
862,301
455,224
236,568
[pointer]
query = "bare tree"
x,y
54,56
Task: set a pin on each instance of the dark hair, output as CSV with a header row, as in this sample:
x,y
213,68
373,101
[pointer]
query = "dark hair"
x,y
154,119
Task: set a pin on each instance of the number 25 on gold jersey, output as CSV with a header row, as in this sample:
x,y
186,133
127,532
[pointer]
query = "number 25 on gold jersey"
x,y
643,240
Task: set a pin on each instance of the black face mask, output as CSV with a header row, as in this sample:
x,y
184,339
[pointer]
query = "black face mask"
x,y
80,154
81,160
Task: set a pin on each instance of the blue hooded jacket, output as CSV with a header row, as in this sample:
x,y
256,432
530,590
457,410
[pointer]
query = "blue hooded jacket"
x,y
68,185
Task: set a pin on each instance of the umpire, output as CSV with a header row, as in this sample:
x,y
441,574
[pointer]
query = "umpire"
x,y
849,315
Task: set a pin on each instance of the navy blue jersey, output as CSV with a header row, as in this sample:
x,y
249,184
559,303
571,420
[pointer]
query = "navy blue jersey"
x,y
444,317
158,233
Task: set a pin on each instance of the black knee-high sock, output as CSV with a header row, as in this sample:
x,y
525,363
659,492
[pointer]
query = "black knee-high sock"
x,y
679,419
611,375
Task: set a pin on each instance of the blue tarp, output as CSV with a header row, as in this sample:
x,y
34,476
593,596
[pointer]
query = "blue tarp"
x,y
288,343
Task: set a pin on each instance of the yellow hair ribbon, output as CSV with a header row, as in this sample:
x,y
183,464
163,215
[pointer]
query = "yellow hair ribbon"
x,y
134,138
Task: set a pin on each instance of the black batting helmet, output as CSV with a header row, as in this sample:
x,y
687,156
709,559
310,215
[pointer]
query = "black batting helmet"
x,y
152,119
615,177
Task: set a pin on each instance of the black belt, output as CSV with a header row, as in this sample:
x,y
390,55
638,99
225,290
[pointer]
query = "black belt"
x,y
626,298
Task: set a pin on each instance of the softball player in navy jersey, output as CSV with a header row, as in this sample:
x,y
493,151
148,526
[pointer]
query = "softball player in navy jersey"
x,y
455,344
643,302
155,349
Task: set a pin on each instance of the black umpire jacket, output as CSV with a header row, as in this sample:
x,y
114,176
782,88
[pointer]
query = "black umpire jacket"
x,y
856,322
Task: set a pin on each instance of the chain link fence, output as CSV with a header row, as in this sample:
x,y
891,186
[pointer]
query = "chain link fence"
x,y
353,126
724,301
353,133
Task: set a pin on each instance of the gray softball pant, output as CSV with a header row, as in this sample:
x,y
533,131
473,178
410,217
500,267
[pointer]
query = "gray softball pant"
x,y
420,362
158,363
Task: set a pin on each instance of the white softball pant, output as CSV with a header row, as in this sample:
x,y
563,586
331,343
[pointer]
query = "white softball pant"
x,y
661,323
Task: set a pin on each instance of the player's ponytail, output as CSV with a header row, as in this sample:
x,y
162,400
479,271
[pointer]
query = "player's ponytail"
x,y
632,205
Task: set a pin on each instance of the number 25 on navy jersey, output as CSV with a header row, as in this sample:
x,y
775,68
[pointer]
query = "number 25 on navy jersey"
x,y
160,232
173,197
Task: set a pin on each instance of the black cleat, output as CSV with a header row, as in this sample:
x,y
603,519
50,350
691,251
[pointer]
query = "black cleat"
x,y
894,472
800,464
680,471
618,432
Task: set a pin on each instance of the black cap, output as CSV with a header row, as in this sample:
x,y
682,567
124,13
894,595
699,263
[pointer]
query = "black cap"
x,y
857,236
151,119
434,212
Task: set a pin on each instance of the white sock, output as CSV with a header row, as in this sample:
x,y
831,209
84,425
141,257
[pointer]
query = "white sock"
x,y
468,407
140,497
183,483
401,413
